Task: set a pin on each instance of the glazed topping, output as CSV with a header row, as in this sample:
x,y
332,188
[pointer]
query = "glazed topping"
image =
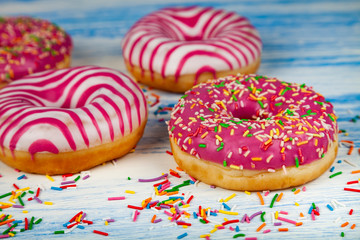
x,y
29,45
68,110
191,40
253,122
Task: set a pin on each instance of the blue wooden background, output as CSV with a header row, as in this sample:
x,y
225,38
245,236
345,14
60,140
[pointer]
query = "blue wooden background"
x,y
312,42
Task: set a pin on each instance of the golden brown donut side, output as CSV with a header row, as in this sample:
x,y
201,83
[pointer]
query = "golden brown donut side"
x,y
252,180
73,162
185,82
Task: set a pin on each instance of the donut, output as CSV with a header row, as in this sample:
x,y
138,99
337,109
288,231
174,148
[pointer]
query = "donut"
x,y
252,132
29,45
173,49
69,120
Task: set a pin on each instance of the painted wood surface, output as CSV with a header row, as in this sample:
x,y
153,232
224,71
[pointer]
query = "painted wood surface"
x,y
312,42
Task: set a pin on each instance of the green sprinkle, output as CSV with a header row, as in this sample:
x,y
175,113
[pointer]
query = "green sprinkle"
x,y
273,200
278,104
320,103
8,230
224,163
38,221
314,206
239,235
237,81
184,96
21,201
215,129
281,123
129,178
323,155
23,194
224,125
262,217
202,145
77,178
293,190
30,192
335,174
172,129
249,127
233,97
302,85
249,135
202,221
59,232
202,118
212,110
5,195
31,223
247,79
342,234
219,149
296,162
331,117
261,104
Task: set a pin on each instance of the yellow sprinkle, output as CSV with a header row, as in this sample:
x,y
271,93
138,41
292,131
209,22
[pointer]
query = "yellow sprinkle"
x,y
277,132
296,204
232,132
130,191
192,119
302,143
25,211
205,235
268,141
2,215
22,189
234,166
223,105
180,134
230,197
262,126
247,192
226,92
106,223
219,129
172,210
204,135
219,138
169,201
48,203
256,159
228,212
276,215
316,128
299,132
192,106
282,150
245,133
306,129
17,195
11,234
271,133
50,178
315,142
277,122
5,204
186,205
214,230
156,191
184,226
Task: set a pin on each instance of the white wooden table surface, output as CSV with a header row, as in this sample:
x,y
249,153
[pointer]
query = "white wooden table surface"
x,y
312,42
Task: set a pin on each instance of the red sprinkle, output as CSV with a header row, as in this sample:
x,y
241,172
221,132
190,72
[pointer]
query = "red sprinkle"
x,y
15,186
352,190
190,198
351,212
101,233
168,152
135,207
37,192
230,221
87,221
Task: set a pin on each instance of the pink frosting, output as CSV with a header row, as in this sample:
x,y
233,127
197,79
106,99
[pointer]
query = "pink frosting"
x,y
68,110
191,40
29,45
253,122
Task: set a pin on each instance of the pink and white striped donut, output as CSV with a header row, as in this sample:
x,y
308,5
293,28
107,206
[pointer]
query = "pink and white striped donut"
x,y
69,120
176,48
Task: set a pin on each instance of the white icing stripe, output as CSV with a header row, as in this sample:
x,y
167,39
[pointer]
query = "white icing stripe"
x,y
176,41
69,109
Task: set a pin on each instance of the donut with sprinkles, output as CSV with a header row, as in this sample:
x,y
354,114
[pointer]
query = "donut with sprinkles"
x,y
251,132
175,48
29,45
69,120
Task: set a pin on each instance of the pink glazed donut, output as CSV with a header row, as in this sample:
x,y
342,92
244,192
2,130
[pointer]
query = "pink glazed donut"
x,y
253,133
175,48
29,45
69,120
